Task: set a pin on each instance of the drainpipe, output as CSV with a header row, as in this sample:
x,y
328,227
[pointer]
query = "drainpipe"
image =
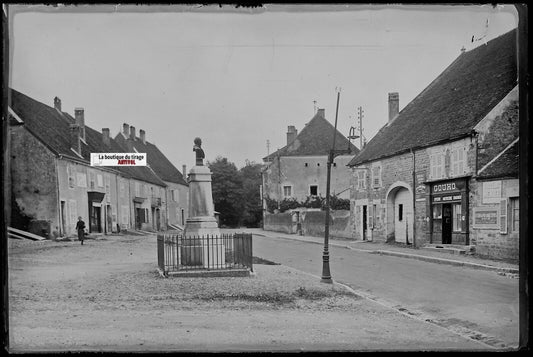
x,y
414,199
279,181
60,218
119,209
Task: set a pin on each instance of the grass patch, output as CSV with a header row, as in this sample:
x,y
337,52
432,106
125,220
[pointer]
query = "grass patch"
x,y
257,260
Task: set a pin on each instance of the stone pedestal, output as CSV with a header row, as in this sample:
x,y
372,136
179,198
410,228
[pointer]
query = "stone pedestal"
x,y
201,227
201,219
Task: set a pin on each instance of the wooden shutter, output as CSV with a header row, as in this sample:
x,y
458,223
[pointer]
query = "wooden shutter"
x,y
370,216
503,216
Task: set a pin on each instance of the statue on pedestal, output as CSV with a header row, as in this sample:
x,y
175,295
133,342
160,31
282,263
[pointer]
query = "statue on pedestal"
x,y
197,148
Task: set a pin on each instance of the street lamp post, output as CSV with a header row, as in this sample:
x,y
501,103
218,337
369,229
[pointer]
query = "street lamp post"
x,y
326,275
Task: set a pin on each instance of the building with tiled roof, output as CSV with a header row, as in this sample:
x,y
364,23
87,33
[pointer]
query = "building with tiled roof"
x,y
417,179
298,170
176,190
53,182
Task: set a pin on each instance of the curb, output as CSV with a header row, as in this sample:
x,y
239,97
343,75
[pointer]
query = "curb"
x,y
412,256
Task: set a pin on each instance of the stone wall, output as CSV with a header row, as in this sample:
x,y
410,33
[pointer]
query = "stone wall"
x,y
489,241
34,182
280,222
310,222
313,223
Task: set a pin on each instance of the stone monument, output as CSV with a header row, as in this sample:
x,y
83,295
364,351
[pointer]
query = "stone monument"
x,y
201,227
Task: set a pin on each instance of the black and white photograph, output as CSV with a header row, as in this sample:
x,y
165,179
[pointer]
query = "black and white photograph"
x,y
265,178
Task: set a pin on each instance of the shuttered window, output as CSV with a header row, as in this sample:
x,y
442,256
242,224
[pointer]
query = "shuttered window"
x,y
503,216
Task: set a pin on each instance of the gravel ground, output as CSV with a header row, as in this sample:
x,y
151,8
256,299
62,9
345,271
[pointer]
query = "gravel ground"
x,y
108,296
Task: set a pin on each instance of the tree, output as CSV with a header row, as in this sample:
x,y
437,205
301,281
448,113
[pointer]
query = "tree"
x,y
227,191
252,213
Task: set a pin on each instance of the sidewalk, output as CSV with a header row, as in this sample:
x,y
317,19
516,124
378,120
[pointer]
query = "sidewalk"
x,y
470,261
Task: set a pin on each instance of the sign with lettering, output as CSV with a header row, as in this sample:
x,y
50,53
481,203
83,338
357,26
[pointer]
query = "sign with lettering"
x,y
486,218
444,187
492,192
420,189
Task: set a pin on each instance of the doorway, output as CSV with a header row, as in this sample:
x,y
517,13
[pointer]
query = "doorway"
x,y
95,224
63,219
365,226
447,224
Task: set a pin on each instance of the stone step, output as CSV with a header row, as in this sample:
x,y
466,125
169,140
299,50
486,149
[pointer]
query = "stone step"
x,y
449,248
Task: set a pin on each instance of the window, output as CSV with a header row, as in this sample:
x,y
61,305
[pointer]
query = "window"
x,y
92,182
437,212
173,195
503,216
71,178
306,164
313,190
456,211
515,214
376,176
318,164
458,161
334,164
436,164
287,191
361,179
400,212
108,188
81,179
100,180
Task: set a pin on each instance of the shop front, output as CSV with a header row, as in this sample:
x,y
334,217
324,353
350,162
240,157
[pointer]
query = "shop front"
x,y
95,211
449,212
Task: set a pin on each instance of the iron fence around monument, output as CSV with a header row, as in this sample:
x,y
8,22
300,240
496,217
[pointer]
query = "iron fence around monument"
x,y
177,252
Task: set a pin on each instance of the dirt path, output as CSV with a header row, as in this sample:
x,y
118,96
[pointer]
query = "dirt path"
x,y
107,296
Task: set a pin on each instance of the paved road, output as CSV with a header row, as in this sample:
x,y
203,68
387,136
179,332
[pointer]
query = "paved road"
x,y
476,303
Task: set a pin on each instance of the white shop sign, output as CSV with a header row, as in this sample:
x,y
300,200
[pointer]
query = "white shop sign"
x,y
491,192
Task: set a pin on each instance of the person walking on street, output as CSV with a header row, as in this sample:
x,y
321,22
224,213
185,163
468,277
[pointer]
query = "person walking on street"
x,y
80,227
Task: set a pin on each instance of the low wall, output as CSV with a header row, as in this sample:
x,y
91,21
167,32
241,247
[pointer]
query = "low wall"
x,y
314,222
280,222
311,223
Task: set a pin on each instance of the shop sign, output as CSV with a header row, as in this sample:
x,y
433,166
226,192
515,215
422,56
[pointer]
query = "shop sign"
x,y
486,218
491,192
420,189
445,187
447,199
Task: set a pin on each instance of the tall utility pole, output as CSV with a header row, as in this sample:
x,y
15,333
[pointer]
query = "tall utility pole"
x,y
326,275
268,147
360,117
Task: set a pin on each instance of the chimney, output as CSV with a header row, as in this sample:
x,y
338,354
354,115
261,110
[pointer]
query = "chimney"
x,y
184,170
394,105
79,115
75,143
126,130
142,134
132,132
105,136
322,112
57,103
291,134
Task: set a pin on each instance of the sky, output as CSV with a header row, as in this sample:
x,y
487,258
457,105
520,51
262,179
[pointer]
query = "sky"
x,y
238,77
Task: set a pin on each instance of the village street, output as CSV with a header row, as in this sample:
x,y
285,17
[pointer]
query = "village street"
x,y
107,296
477,303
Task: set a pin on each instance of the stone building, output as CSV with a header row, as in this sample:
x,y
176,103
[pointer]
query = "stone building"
x,y
176,197
421,179
52,181
298,170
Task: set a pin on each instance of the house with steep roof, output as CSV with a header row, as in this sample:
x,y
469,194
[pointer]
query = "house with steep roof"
x,y
176,198
53,182
298,170
427,177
